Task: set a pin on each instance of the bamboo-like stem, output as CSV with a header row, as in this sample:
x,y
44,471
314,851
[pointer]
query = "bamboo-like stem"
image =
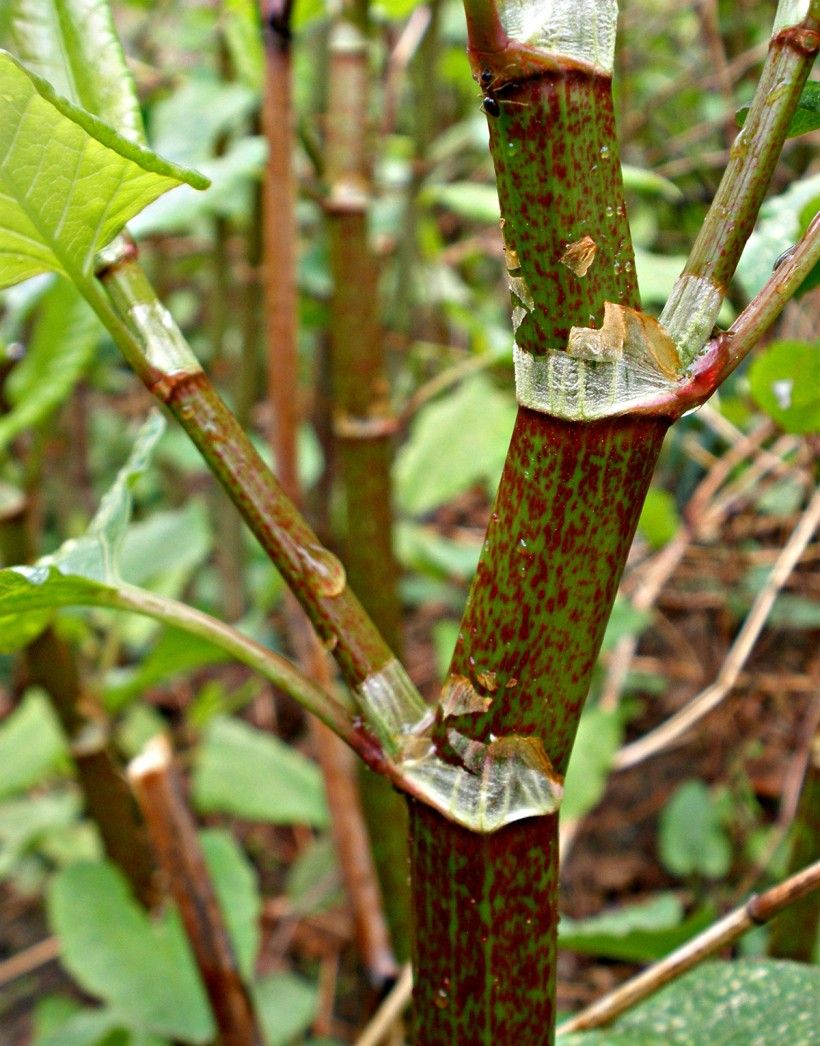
x,y
158,789
756,911
279,213
561,526
155,348
695,300
363,423
279,237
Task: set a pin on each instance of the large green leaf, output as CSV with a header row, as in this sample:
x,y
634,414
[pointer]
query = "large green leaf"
x,y
143,970
743,1003
74,46
31,742
68,183
245,772
60,350
455,442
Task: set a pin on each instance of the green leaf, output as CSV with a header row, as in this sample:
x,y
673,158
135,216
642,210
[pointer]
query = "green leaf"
x,y
424,549
188,124
599,737
741,1003
454,443
624,620
692,839
68,183
96,555
143,970
176,653
635,933
475,201
783,382
31,743
61,348
659,519
74,46
175,542
26,823
243,38
657,274
778,228
251,774
234,882
287,1005
648,183
806,117
60,1021
231,176
313,883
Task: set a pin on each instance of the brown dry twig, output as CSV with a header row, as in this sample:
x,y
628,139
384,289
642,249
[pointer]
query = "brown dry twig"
x,y
711,697
171,827
757,910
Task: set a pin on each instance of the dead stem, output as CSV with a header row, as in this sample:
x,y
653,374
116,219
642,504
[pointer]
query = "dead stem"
x,y
677,725
172,829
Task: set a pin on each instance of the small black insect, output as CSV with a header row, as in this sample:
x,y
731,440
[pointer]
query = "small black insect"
x,y
490,105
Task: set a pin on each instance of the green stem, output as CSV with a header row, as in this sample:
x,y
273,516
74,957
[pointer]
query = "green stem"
x,y
155,348
728,349
363,425
561,527
692,309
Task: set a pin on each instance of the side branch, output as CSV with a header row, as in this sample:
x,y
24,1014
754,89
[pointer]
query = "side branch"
x,y
158,789
152,343
693,306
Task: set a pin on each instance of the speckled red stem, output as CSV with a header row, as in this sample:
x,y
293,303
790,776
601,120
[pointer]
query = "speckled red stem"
x,y
562,524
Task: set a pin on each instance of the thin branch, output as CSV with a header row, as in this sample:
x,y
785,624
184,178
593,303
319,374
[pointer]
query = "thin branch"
x,y
666,734
159,793
152,343
325,706
761,312
29,960
388,1013
694,303
758,909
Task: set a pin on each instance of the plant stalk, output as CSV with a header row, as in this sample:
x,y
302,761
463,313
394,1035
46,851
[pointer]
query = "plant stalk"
x,y
158,789
363,423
